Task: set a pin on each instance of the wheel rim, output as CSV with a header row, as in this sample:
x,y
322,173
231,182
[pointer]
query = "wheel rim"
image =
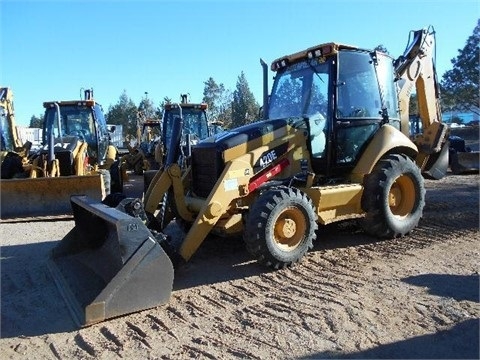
x,y
401,197
290,228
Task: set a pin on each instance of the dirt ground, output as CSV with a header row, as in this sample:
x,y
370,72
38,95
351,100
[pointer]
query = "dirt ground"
x,y
351,297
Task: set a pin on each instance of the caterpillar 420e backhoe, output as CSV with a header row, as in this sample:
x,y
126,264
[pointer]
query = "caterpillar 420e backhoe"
x,y
333,145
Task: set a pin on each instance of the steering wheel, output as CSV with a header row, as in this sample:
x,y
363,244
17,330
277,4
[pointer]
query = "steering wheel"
x,y
78,133
359,112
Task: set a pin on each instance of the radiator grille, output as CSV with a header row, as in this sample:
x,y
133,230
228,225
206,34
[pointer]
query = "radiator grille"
x,y
207,166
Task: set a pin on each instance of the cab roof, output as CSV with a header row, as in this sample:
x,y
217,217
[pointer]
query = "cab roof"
x,y
48,104
317,51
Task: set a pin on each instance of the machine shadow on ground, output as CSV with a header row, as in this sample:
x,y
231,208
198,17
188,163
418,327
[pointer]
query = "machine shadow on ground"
x,y
31,304
459,342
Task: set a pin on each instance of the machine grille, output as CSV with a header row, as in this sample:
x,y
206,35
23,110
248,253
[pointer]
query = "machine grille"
x,y
207,166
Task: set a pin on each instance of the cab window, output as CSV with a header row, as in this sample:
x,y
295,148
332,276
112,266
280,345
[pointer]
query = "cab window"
x,y
358,95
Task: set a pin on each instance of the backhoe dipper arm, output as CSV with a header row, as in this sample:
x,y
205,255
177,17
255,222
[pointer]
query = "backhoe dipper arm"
x,y
416,68
6,102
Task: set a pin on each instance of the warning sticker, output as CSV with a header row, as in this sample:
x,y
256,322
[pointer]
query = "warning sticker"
x,y
230,184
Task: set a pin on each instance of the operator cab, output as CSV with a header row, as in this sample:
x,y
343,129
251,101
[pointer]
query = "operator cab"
x,y
69,121
344,94
195,122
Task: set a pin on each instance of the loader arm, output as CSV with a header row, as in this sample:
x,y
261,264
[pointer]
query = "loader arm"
x,y
161,184
227,189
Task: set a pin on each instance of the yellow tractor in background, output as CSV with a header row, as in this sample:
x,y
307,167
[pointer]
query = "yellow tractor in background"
x,y
332,146
142,154
76,158
195,127
153,136
13,154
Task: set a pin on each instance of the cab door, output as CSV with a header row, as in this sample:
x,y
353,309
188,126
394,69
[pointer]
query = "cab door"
x,y
102,134
363,102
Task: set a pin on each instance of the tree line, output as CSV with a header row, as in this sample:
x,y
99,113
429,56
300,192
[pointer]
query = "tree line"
x,y
232,109
459,92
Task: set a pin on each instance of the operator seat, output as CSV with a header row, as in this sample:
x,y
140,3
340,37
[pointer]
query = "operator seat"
x,y
317,135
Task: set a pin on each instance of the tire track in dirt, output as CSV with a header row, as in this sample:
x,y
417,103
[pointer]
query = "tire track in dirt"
x,y
202,340
117,342
54,351
84,344
252,304
319,304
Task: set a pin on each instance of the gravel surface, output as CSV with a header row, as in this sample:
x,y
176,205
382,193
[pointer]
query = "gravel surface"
x,y
351,297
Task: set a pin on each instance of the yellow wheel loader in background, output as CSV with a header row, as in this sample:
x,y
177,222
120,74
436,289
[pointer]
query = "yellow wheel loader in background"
x,y
76,158
332,146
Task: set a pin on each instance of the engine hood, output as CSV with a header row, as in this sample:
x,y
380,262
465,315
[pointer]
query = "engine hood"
x,y
242,134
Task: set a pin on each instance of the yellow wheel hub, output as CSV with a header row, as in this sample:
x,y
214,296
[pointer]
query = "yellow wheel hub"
x,y
401,197
290,228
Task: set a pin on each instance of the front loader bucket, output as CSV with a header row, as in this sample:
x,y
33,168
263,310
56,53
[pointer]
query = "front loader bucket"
x,y
46,196
465,162
109,264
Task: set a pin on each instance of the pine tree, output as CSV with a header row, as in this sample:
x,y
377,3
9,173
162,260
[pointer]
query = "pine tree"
x,y
219,101
124,113
36,121
244,107
147,109
460,85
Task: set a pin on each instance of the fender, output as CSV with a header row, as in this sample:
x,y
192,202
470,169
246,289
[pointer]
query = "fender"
x,y
385,140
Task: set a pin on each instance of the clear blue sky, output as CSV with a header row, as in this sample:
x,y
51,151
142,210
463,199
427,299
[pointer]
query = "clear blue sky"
x,y
51,49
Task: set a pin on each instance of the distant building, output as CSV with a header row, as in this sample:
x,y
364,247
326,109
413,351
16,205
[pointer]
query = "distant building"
x,y
116,137
34,135
466,117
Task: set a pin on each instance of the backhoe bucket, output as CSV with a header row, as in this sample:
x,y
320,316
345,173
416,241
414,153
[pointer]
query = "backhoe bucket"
x,y
109,264
465,162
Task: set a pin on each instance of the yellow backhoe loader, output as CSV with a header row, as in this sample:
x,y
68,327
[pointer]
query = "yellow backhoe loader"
x,y
76,157
9,140
195,126
13,154
332,146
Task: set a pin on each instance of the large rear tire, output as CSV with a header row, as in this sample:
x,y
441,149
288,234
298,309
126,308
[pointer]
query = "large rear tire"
x,y
11,166
280,227
393,197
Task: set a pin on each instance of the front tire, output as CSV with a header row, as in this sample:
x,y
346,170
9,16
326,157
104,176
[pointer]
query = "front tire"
x,y
393,197
116,177
280,227
166,213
